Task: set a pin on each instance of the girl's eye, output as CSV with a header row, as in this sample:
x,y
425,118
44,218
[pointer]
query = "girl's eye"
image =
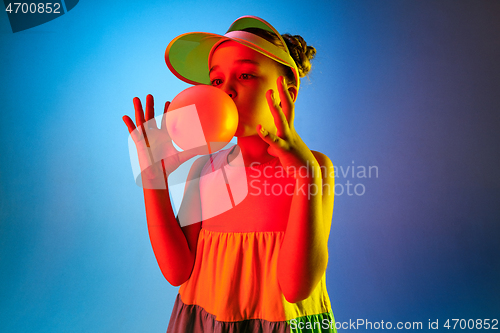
x,y
246,76
216,82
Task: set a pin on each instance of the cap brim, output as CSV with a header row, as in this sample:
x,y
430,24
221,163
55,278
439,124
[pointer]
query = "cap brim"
x,y
188,55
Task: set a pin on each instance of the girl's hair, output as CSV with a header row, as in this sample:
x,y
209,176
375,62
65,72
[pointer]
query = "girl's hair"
x,y
301,53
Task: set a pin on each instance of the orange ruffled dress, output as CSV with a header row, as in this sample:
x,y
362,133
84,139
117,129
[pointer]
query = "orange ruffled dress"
x,y
234,283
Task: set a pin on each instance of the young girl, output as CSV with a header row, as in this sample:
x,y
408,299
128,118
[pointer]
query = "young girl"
x,y
258,266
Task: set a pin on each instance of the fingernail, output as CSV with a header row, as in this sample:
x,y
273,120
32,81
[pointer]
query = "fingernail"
x,y
263,131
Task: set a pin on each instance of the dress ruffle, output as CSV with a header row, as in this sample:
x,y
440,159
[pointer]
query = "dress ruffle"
x,y
194,319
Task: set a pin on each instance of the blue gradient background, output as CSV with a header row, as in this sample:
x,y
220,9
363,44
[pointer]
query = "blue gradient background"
x,y
412,87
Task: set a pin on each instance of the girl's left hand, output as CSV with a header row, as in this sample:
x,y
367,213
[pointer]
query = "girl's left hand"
x,y
286,144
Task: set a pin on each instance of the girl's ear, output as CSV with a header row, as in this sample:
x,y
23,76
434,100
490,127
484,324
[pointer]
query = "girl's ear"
x,y
292,90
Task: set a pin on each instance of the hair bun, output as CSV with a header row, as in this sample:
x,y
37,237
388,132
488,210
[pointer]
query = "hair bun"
x,y
300,52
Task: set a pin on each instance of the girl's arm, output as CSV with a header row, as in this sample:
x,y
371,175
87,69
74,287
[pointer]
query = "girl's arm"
x,y
328,189
175,246
304,253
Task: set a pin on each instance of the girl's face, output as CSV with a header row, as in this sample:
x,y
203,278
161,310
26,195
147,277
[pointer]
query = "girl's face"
x,y
246,76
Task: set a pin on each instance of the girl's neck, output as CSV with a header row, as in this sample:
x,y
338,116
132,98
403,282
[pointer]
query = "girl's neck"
x,y
253,150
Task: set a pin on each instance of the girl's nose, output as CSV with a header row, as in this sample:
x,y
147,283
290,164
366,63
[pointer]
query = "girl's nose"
x,y
229,89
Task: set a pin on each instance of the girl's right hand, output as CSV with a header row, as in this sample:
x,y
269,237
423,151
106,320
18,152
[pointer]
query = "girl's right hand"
x,y
154,145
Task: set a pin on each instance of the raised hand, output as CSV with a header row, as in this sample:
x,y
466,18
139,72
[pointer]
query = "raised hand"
x,y
286,144
157,155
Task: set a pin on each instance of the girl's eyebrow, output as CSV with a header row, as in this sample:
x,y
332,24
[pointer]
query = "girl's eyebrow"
x,y
247,61
239,61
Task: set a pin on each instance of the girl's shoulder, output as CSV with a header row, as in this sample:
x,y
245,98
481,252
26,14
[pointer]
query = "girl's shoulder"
x,y
197,167
322,159
326,166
